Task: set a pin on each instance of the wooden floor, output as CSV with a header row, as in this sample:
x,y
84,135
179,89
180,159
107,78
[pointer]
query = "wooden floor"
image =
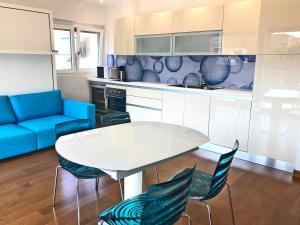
x,y
261,196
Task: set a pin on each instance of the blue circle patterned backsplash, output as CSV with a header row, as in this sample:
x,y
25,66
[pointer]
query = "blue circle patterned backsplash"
x,y
134,72
150,76
235,72
192,79
173,63
215,69
158,66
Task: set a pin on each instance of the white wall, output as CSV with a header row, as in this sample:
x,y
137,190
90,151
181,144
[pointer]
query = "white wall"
x,y
24,74
72,10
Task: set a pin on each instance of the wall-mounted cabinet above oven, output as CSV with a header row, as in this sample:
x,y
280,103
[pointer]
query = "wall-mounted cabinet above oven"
x,y
196,43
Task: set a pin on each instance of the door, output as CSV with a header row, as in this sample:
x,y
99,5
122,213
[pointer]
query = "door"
x,y
173,107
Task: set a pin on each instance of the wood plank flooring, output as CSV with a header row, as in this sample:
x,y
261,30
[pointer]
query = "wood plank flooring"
x,y
261,195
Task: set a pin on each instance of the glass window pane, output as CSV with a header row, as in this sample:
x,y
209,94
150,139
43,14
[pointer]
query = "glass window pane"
x,y
88,50
62,42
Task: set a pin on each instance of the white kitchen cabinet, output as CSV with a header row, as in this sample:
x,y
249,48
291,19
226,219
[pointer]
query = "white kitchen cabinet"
x,y
154,23
25,31
241,27
153,44
275,118
279,27
205,18
229,120
199,43
173,107
196,112
124,36
144,104
140,113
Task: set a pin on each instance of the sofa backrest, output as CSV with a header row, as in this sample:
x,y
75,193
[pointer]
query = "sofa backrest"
x,y
7,115
37,105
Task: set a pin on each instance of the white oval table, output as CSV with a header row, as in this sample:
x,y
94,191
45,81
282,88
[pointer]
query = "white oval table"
x,y
124,151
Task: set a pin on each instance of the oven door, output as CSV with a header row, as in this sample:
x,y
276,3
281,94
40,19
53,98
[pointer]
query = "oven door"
x,y
115,100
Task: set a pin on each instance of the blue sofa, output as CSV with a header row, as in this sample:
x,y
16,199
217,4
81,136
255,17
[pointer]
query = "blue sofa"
x,y
27,122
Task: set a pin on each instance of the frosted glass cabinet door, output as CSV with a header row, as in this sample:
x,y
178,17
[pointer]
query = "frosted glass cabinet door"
x,y
154,44
24,31
200,43
229,120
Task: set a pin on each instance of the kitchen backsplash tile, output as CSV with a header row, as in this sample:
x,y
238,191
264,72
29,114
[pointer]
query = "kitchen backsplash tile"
x,y
235,72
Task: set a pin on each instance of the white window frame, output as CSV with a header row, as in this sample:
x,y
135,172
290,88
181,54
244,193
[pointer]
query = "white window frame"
x,y
74,51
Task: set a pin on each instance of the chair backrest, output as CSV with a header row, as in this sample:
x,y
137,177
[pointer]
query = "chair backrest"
x,y
167,201
221,172
114,119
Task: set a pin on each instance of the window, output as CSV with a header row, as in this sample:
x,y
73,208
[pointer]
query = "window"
x,y
62,42
78,49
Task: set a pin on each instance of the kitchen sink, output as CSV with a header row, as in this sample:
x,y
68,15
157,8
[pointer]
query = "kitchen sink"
x,y
204,87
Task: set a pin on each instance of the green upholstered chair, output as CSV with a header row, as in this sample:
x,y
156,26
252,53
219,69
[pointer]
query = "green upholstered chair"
x,y
163,204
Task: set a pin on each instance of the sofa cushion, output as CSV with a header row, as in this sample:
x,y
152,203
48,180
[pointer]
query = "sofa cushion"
x,y
37,105
6,113
16,140
45,129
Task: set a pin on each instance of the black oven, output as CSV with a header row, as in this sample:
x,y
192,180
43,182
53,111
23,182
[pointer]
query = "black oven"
x,y
115,100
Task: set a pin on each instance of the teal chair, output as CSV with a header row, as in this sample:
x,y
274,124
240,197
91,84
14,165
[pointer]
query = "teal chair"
x,y
119,118
205,186
77,170
163,204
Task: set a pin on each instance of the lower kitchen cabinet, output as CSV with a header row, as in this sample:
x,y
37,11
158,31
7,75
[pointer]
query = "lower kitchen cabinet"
x,y
196,112
229,120
140,113
173,107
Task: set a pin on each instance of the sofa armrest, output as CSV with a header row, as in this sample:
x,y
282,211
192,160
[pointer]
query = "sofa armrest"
x,y
80,110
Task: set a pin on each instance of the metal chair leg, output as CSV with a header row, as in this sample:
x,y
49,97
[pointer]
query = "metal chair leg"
x,y
188,217
209,212
121,190
55,186
97,184
156,173
231,205
78,206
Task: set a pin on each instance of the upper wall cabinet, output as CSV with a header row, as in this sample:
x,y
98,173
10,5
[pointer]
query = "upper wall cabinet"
x,y
124,36
199,43
25,31
198,19
153,44
241,27
279,27
156,23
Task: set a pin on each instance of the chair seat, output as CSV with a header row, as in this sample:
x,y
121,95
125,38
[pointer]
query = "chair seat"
x,y
200,185
80,171
127,212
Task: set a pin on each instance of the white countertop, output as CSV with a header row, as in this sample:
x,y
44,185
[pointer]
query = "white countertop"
x,y
227,93
129,147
